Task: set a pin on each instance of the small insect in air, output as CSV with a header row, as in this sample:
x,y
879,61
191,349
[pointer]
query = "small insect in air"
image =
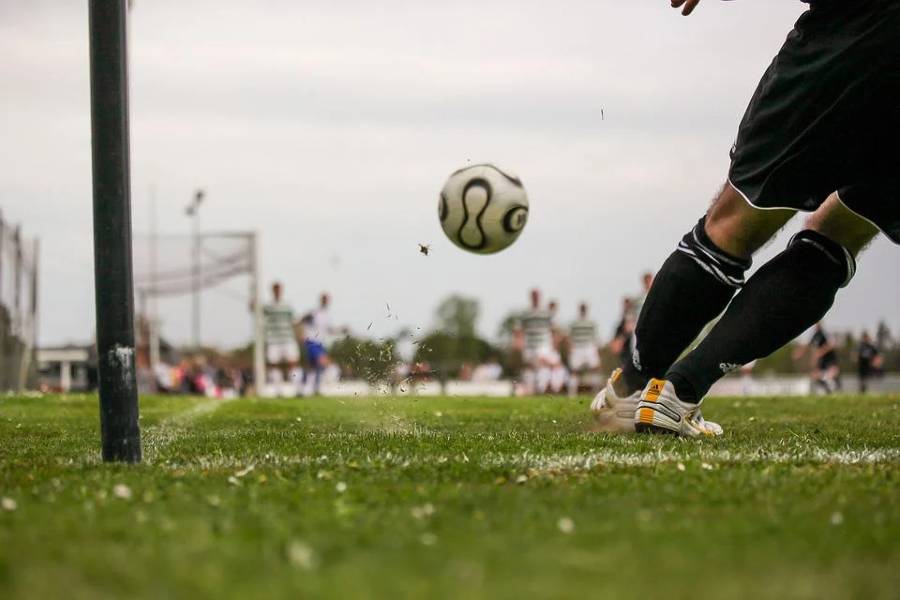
x,y
425,249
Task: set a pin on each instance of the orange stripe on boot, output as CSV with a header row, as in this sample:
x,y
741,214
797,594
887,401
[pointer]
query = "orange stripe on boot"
x,y
654,390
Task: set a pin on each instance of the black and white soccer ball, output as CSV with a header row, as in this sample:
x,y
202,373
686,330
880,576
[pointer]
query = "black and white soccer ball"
x,y
483,209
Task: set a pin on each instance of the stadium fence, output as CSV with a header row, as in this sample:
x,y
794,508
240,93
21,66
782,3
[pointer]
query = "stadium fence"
x,y
18,307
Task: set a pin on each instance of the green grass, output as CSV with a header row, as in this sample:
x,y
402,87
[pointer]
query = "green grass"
x,y
450,498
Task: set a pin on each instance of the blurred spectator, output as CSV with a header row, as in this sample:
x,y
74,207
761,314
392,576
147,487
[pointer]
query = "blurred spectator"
x,y
638,303
868,361
584,350
491,370
621,343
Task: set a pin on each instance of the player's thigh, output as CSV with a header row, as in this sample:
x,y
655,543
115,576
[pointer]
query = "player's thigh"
x,y
281,353
273,354
739,228
839,224
584,359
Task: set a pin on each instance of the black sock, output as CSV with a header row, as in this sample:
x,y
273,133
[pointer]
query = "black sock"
x,y
785,297
693,286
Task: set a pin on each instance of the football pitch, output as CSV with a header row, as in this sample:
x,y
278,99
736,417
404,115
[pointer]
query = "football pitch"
x,y
449,497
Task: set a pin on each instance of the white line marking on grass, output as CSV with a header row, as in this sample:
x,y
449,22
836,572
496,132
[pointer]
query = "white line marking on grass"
x,y
577,462
554,462
158,437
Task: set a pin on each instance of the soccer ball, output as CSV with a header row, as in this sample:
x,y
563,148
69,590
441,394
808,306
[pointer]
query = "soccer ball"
x,y
483,209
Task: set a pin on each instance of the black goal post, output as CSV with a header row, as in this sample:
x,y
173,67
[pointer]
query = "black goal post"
x,y
119,430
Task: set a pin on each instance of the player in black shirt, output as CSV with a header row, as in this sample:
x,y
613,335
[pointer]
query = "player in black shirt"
x,y
621,342
819,135
826,369
868,361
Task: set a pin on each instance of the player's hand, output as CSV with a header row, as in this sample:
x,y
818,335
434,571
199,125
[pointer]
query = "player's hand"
x,y
689,5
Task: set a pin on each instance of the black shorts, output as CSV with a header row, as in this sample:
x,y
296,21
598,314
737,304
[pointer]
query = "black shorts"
x,y
827,361
826,116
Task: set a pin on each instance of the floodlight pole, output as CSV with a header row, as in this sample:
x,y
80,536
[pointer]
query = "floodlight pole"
x,y
119,429
193,211
2,228
153,319
259,360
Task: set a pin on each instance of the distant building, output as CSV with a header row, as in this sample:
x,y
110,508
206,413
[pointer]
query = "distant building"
x,y
71,368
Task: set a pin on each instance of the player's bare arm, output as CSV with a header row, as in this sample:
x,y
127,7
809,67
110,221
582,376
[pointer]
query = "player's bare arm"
x,y
687,6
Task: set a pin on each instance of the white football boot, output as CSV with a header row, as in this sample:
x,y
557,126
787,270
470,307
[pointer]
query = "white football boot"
x,y
611,412
660,411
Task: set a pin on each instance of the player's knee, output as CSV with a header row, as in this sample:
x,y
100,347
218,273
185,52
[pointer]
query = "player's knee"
x,y
739,228
837,254
842,226
721,265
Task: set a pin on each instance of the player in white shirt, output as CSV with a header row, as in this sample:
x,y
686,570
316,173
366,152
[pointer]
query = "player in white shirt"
x,y
282,351
558,372
317,332
584,348
535,332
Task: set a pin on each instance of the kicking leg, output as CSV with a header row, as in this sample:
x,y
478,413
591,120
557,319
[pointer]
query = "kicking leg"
x,y
696,283
692,288
785,297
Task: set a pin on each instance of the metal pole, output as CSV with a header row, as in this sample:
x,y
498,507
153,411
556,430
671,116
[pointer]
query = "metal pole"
x,y
29,355
19,323
2,228
196,282
120,433
17,319
65,376
259,363
194,212
25,324
153,319
35,286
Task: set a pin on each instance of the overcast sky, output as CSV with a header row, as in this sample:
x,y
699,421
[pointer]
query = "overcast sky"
x,y
330,127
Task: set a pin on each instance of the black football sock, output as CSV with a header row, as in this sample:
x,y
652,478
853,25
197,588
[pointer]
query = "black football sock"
x,y
692,288
788,294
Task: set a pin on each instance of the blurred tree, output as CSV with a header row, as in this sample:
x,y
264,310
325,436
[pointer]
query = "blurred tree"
x,y
455,341
447,353
457,316
883,337
373,361
782,361
510,358
507,325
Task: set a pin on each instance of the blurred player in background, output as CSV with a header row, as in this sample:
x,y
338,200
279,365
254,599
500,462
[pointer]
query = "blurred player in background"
x,y
638,302
868,361
748,384
826,368
553,308
282,351
534,335
584,349
622,340
622,343
559,375
317,334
